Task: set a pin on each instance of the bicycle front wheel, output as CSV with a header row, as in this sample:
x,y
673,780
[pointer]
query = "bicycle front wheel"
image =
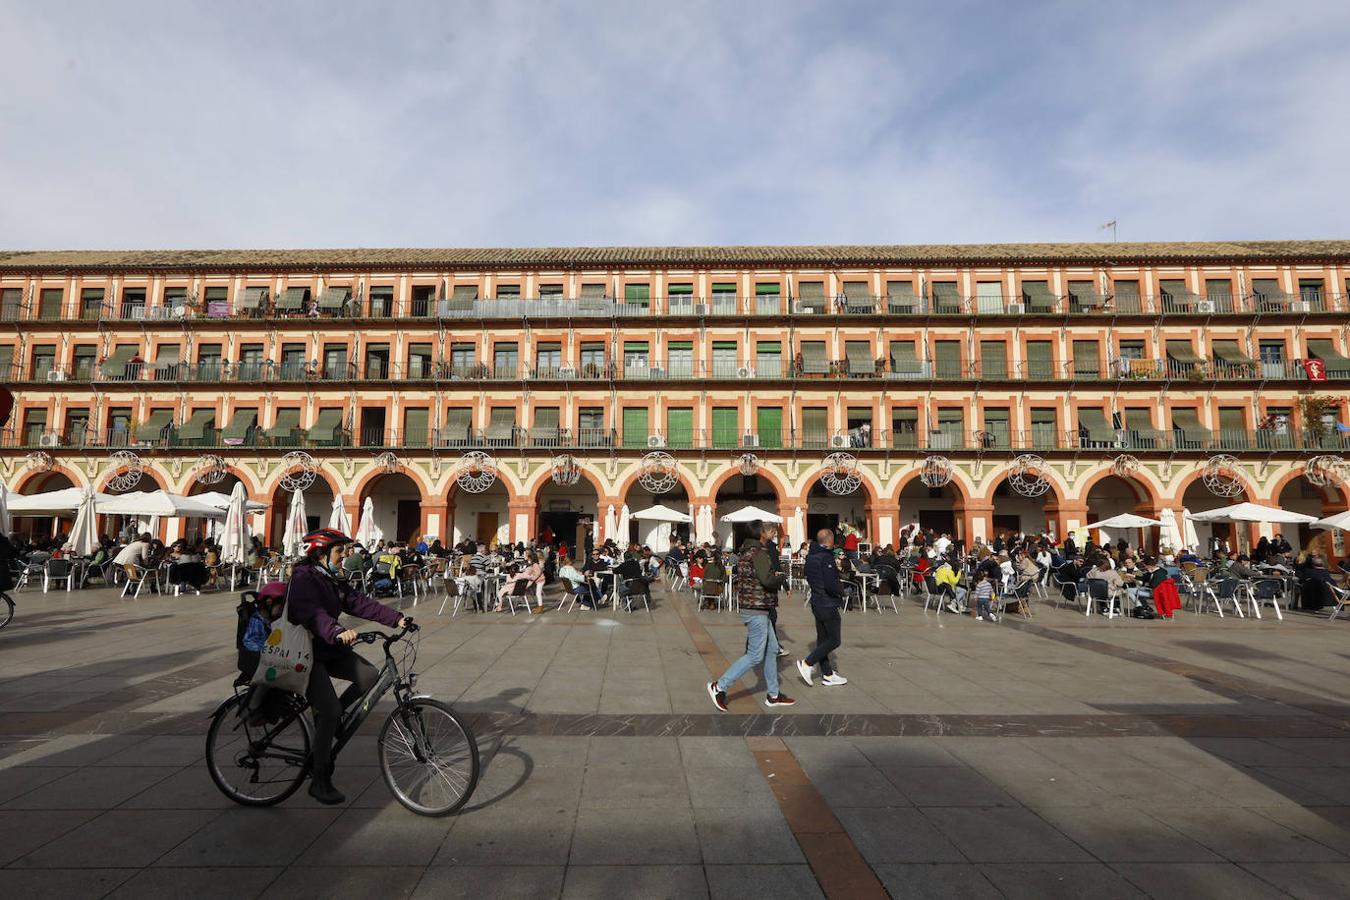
x,y
429,757
262,764
6,610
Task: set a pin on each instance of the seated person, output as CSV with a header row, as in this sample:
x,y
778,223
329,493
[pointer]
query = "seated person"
x,y
587,593
947,580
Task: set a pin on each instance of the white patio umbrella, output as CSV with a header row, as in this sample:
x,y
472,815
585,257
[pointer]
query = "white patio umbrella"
x,y
1340,520
708,525
660,513
1252,512
153,504
296,526
234,539
1192,540
83,540
595,528
337,516
222,501
751,514
52,503
368,532
798,533
1170,535
624,516
1126,520
5,523
611,524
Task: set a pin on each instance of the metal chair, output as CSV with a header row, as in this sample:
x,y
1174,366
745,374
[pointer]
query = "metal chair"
x,y
639,588
1020,594
713,590
1060,586
519,591
884,589
1260,591
1099,591
57,570
139,580
1342,597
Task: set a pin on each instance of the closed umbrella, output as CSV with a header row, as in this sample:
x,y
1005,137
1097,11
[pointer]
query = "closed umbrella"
x,y
234,539
368,532
1188,525
83,540
624,530
338,518
611,523
4,509
798,528
1170,535
296,526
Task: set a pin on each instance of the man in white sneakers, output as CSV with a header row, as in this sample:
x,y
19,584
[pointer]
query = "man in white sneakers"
x,y
827,595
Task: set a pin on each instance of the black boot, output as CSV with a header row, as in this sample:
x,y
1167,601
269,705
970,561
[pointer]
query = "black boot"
x,y
321,788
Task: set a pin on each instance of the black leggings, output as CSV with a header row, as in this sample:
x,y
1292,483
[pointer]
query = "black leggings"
x,y
328,706
828,625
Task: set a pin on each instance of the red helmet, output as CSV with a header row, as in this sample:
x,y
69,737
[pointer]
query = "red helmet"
x,y
323,539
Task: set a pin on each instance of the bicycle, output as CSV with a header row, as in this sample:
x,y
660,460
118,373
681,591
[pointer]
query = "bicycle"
x,y
7,610
428,757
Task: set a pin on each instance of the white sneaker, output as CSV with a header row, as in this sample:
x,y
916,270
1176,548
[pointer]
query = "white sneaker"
x,y
834,680
981,618
805,671
951,606
993,618
783,651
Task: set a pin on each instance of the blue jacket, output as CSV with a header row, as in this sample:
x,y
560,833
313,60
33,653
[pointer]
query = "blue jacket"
x,y
823,577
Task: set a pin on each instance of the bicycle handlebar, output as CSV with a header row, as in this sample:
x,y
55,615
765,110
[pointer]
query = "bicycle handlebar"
x,y
370,637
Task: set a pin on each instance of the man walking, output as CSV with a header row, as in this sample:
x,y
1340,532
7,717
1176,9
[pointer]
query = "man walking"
x,y
757,587
827,595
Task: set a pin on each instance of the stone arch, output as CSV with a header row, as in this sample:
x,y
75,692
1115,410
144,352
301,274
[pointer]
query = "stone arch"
x,y
1058,488
1146,491
161,480
249,480
535,485
73,475
1248,487
1334,493
628,480
780,486
373,473
959,484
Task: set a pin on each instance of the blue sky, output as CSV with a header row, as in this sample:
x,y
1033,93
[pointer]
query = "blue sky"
x,y
307,124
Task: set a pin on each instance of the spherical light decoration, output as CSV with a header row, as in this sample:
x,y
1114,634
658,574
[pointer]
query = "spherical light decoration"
x,y
301,470
1221,476
565,472
840,475
40,461
213,469
388,462
658,472
1124,465
1324,470
1028,476
476,472
937,471
126,471
748,464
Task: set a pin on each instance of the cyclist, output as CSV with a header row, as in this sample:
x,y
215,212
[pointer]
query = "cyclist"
x,y
316,598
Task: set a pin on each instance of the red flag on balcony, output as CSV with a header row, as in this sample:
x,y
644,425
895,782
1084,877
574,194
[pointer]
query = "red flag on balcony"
x,y
1315,369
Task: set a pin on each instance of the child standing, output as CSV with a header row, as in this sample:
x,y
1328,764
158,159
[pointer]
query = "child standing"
x,y
984,593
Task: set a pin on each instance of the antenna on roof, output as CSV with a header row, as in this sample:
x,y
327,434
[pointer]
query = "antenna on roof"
x,y
1111,225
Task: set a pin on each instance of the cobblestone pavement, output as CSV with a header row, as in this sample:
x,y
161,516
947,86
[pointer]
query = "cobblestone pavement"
x,y
1064,756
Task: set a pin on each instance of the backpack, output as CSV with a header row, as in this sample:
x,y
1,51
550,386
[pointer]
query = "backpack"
x,y
9,561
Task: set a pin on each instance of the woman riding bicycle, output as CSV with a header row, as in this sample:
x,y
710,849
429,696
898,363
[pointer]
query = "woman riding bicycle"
x,y
316,599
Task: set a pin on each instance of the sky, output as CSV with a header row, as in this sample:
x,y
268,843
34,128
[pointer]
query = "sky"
x,y
179,124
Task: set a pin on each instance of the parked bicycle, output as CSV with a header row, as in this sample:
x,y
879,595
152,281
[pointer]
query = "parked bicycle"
x,y
6,610
428,756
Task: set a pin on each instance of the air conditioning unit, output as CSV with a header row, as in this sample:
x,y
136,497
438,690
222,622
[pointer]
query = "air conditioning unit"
x,y
745,372
49,440
701,310
839,441
656,442
56,375
1016,308
1300,306
750,440
1204,306
567,372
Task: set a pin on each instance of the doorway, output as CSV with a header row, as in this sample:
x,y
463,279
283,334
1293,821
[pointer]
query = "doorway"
x,y
486,530
941,521
817,521
409,519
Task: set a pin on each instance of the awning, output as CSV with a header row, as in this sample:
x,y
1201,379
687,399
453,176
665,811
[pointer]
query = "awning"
x,y
1179,292
860,361
288,421
1140,423
945,293
1187,421
1094,422
857,290
1182,352
813,358
292,300
1037,295
1231,352
194,429
326,424
253,297
116,364
810,290
1325,350
155,422
334,297
243,420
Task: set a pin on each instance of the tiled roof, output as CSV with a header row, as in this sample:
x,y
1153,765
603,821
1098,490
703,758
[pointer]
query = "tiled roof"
x,y
877,255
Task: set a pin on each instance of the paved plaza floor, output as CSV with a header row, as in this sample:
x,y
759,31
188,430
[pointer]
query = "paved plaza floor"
x,y
1061,757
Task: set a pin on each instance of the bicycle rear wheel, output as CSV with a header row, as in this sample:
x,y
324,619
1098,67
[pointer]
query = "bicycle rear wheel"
x,y
429,757
258,765
6,610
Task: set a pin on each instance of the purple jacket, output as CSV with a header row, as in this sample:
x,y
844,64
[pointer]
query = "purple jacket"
x,y
316,600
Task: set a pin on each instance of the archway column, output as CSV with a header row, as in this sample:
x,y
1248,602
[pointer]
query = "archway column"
x,y
1065,517
521,512
883,518
977,520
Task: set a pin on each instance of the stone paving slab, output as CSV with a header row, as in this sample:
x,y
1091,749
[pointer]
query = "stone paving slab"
x,y
1066,757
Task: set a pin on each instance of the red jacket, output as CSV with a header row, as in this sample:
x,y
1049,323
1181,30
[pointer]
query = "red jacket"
x,y
851,542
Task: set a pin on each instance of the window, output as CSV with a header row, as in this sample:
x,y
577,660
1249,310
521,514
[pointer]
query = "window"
x,y
547,360
377,361
679,427
948,359
1219,291
811,296
34,424
419,361
1272,359
550,292
458,428
768,299
505,359
769,426
463,360
1233,427
724,359
680,299
133,303
217,302
44,361
86,357
681,359
591,427
857,417
91,304
994,360
1044,426
769,359
1132,349
416,428
905,362
335,362
1040,360
946,298
49,303
951,428
635,431
1310,291
858,297
724,427
423,299
292,362
166,362
1126,297
815,428
119,425
1036,296
636,359
858,354
996,427
175,297
508,292
1087,359
905,427
902,299
639,295
381,301
989,297
11,304
813,358
724,298
593,359
1187,431
77,427
546,431
501,426
1269,297
7,372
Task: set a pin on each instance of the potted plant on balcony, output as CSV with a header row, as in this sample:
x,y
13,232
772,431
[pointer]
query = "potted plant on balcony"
x,y
1313,409
590,370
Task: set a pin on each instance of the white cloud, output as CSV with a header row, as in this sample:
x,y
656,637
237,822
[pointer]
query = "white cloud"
x,y
313,124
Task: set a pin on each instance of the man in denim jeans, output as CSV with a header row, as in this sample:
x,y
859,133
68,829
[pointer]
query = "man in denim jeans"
x,y
757,584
